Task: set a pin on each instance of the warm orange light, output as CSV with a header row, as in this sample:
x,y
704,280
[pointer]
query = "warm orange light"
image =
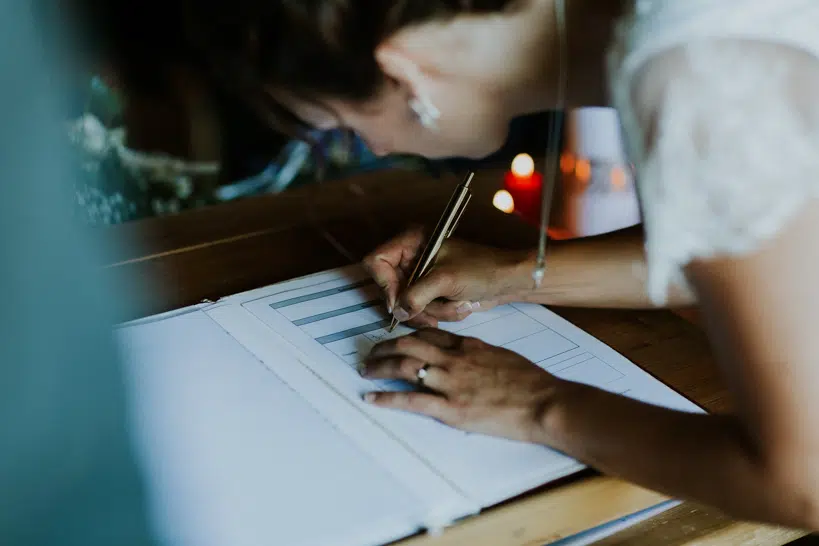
x,y
582,170
567,163
523,165
618,178
504,202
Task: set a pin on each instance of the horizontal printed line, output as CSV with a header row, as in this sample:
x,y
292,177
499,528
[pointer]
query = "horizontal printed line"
x,y
336,313
352,332
318,295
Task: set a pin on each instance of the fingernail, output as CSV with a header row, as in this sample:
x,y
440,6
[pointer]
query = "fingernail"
x,y
369,397
465,307
400,314
361,368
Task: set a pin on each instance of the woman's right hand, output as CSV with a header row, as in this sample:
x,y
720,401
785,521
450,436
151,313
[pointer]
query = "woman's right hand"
x,y
466,277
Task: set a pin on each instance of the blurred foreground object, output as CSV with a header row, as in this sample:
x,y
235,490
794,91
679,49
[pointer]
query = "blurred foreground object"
x,y
67,473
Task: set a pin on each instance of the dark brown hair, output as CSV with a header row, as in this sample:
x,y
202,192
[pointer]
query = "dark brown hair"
x,y
313,48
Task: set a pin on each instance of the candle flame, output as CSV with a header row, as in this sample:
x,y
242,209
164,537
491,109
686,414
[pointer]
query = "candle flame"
x,y
504,202
618,178
523,165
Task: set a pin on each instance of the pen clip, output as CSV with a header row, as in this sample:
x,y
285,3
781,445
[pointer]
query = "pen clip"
x,y
458,218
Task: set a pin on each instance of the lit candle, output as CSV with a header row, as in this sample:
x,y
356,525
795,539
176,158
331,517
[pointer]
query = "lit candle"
x,y
524,186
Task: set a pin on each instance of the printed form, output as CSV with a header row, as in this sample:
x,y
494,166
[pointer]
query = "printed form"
x,y
333,319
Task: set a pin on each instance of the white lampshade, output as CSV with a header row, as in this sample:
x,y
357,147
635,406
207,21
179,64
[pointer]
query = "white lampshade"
x,y
594,134
598,191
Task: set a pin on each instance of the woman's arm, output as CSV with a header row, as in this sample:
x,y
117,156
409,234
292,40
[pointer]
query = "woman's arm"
x,y
605,271
608,271
761,464
761,311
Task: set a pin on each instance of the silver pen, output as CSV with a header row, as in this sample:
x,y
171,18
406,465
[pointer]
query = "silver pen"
x,y
446,225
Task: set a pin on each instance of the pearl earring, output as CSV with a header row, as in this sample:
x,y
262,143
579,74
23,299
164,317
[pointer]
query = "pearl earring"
x,y
427,113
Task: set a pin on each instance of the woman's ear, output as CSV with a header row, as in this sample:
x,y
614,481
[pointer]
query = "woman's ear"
x,y
403,69
395,64
461,47
409,76
417,49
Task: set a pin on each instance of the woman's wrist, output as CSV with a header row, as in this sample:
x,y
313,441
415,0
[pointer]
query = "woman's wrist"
x,y
547,420
513,278
519,277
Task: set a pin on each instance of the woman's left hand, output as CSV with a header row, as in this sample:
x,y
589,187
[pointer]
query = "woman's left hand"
x,y
469,384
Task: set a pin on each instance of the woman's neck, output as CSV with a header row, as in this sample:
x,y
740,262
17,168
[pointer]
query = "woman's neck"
x,y
532,84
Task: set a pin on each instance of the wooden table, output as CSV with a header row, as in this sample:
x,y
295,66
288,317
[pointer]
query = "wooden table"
x,y
216,252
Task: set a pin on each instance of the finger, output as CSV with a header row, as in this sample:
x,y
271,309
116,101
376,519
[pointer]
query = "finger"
x,y
423,320
387,262
437,284
392,368
431,405
400,250
440,338
451,311
436,378
410,346
412,240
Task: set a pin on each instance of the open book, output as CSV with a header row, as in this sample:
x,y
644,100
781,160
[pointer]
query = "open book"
x,y
250,419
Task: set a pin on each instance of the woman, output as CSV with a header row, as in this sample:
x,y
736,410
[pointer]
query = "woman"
x,y
719,105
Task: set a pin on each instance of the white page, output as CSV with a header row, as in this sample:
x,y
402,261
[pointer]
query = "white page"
x,y
333,319
444,502
234,456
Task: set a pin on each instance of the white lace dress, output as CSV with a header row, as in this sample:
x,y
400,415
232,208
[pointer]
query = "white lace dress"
x,y
732,152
